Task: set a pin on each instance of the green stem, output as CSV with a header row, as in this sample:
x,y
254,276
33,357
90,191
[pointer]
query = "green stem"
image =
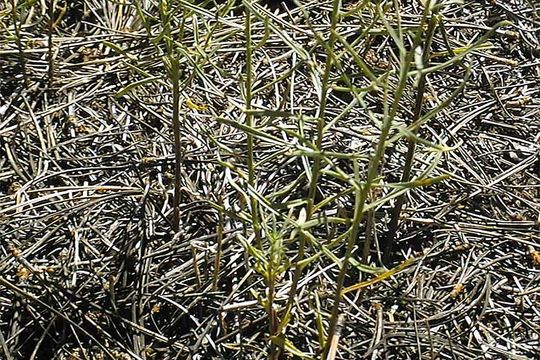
x,y
250,122
387,246
315,170
373,170
255,220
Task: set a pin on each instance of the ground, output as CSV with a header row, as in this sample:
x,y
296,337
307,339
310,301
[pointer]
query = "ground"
x,y
281,172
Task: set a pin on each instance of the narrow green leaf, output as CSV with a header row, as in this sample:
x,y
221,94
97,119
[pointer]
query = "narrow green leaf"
x,y
135,85
252,131
288,346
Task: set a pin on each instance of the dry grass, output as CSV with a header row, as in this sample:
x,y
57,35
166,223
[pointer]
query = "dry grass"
x,y
281,173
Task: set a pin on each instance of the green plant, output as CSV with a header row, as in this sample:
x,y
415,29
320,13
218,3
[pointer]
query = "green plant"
x,y
290,231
